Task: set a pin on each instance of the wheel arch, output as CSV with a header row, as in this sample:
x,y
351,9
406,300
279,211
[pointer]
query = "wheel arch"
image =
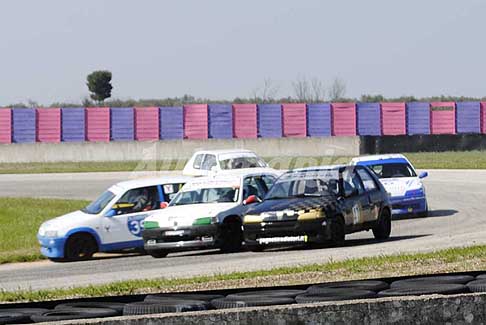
x,y
87,231
232,218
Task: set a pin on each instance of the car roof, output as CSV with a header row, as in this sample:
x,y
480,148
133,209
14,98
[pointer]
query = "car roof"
x,y
142,182
379,157
317,168
222,151
242,172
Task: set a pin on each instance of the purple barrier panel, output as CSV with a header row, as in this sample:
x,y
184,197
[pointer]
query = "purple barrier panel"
x,y
98,124
368,118
245,121
171,122
73,124
23,123
5,125
220,121
443,118
418,118
468,115
294,120
483,117
319,120
196,121
393,119
343,119
270,120
49,125
122,123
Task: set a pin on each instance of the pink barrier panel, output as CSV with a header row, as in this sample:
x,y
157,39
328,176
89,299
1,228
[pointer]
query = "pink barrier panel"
x,y
443,118
294,120
98,124
245,121
343,119
196,121
483,117
48,125
393,119
146,123
5,125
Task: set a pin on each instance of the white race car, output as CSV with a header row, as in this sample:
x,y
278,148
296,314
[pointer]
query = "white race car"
x,y
111,222
207,213
401,181
204,162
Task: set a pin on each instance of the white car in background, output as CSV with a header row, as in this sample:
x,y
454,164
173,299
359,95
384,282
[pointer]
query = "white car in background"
x,y
207,213
112,222
401,181
205,162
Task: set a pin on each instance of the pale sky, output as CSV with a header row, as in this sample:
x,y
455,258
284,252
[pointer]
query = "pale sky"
x,y
222,49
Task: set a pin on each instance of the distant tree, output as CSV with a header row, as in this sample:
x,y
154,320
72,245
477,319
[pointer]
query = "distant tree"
x,y
371,98
318,91
266,93
337,89
302,89
99,84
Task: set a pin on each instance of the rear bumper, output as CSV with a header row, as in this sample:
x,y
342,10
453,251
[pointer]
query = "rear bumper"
x,y
403,205
52,247
286,232
205,236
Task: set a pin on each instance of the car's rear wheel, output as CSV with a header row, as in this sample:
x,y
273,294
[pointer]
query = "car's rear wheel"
x,y
383,229
231,236
338,231
159,253
80,247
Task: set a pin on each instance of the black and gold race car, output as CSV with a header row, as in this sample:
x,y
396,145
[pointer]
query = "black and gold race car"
x,y
317,205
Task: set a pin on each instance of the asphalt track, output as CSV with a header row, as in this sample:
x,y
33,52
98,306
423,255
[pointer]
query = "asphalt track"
x,y
456,197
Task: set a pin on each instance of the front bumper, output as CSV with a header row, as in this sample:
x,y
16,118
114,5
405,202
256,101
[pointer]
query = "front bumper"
x,y
287,232
202,236
404,205
52,247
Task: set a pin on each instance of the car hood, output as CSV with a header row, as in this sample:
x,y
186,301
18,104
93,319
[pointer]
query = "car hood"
x,y
185,215
297,205
64,223
397,187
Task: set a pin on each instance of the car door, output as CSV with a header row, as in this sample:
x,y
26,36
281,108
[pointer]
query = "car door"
x,y
374,193
356,200
130,210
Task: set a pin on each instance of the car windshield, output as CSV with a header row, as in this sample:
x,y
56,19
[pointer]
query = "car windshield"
x,y
241,162
206,195
305,184
393,170
99,204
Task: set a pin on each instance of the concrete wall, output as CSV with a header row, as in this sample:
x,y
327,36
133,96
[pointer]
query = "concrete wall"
x,y
456,309
174,149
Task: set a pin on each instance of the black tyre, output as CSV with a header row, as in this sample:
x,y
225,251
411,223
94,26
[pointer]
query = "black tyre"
x,y
8,317
419,282
164,306
25,311
256,248
231,237
335,295
183,296
338,231
371,285
265,293
159,253
80,247
117,306
72,313
225,303
425,289
481,277
383,229
477,286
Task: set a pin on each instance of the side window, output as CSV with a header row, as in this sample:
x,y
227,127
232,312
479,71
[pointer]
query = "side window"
x,y
368,181
209,162
198,161
251,187
170,190
351,182
137,200
268,180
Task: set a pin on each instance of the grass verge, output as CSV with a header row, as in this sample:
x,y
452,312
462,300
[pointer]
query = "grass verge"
x,y
449,260
20,219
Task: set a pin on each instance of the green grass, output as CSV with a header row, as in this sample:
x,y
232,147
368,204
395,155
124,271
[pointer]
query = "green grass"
x,y
422,160
448,260
20,219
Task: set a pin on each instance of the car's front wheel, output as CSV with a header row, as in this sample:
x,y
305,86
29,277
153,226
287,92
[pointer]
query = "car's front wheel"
x,y
159,253
231,236
338,231
80,247
383,229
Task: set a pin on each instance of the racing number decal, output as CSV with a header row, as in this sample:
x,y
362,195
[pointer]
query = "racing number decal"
x,y
135,224
356,214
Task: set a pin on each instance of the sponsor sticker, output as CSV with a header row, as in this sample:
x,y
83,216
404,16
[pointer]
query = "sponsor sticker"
x,y
151,242
174,232
286,239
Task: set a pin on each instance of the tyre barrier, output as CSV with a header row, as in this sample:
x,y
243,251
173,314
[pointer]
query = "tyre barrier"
x,y
183,302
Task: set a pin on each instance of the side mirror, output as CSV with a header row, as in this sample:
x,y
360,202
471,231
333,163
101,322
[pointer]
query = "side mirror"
x,y
423,174
164,205
251,199
110,213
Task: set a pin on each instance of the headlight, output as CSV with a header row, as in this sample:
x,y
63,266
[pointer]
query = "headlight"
x,y
51,233
205,221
